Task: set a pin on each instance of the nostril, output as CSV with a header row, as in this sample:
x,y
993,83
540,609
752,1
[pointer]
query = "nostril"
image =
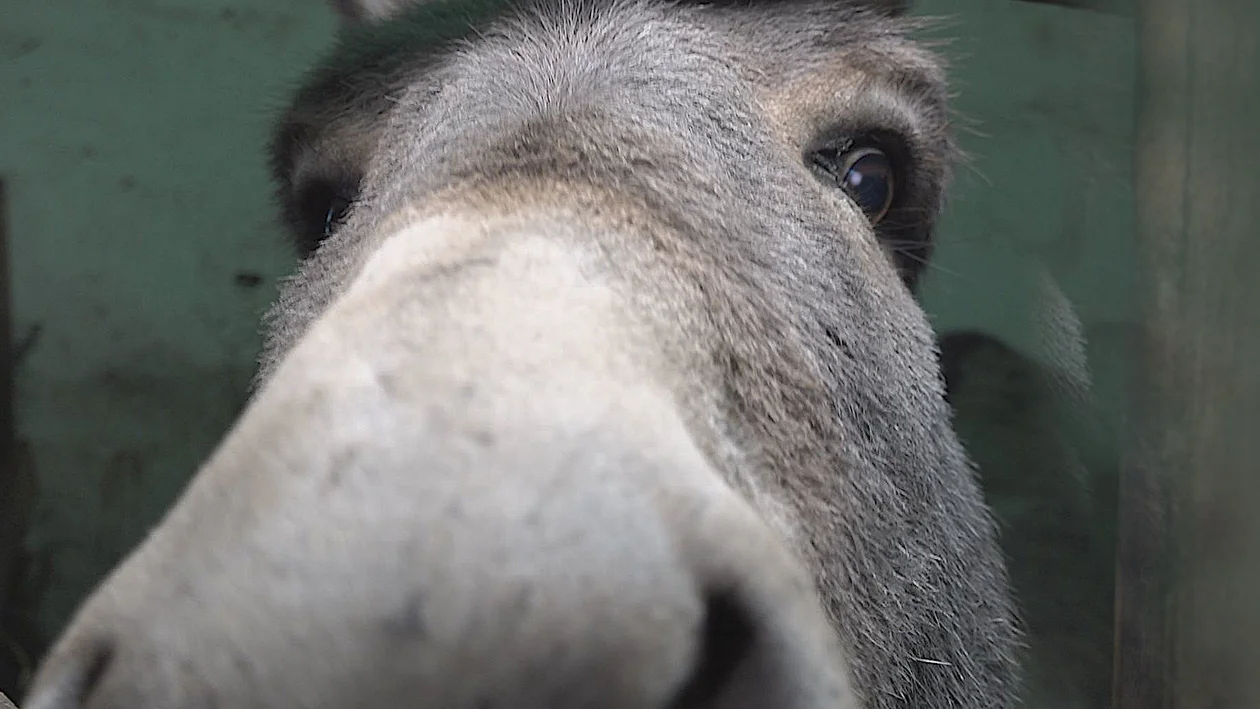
x,y
726,641
71,685
101,654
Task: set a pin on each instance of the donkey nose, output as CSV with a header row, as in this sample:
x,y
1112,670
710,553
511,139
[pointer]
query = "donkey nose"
x,y
73,679
534,527
735,659
731,623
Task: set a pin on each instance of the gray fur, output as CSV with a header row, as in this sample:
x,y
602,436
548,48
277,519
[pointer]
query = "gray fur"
x,y
756,298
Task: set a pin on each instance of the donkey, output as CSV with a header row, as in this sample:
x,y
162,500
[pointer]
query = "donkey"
x,y
602,384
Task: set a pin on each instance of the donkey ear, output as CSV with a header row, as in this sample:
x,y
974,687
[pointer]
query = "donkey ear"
x,y
370,10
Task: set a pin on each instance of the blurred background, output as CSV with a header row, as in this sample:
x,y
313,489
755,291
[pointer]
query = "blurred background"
x,y
1092,288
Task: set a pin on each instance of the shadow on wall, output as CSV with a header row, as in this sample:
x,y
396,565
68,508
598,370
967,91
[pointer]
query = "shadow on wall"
x,y
1036,374
1048,466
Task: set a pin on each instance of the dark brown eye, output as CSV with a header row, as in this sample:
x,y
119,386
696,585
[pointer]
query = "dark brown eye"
x,y
864,173
338,206
320,209
868,178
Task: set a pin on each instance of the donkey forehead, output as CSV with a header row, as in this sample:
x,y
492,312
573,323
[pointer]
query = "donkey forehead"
x,y
691,115
511,63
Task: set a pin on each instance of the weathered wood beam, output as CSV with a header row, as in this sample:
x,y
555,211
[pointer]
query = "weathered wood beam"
x,y
1188,599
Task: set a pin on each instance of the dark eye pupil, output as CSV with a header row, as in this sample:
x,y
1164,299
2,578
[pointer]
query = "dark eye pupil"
x,y
869,181
337,209
864,173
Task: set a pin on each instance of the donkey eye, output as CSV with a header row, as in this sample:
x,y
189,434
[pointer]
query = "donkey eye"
x,y
864,173
320,208
868,178
338,206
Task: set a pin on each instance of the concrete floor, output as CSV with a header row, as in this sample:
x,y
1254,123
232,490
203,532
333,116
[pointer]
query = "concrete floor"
x,y
145,248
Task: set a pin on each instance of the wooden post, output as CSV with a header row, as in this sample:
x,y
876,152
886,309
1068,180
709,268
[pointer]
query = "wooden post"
x,y
1188,592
